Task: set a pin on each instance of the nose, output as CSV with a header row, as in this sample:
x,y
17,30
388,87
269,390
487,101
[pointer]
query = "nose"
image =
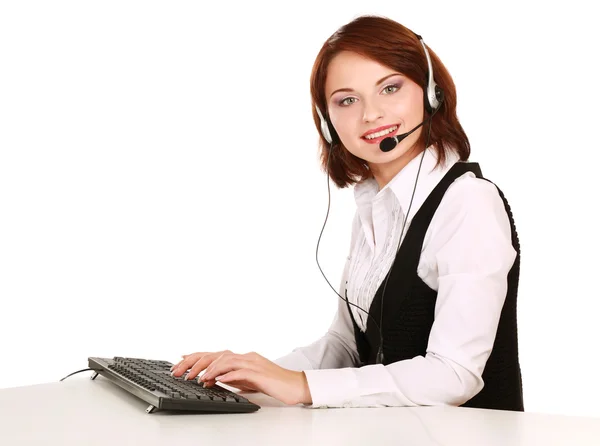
x,y
371,112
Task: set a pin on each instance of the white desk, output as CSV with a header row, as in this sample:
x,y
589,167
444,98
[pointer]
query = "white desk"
x,y
79,412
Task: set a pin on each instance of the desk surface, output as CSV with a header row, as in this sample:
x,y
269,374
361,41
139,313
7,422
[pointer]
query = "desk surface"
x,y
79,411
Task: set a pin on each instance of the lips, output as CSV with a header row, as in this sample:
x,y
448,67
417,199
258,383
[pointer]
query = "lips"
x,y
380,138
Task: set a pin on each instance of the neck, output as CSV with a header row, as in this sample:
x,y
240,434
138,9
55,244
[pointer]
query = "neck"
x,y
383,173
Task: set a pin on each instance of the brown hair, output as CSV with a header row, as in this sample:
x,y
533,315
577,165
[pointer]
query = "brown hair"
x,y
395,46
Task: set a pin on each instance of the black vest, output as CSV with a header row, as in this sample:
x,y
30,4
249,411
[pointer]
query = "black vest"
x,y
409,308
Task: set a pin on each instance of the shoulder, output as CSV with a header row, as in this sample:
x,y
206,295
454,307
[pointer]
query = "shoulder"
x,y
471,211
468,190
472,196
471,218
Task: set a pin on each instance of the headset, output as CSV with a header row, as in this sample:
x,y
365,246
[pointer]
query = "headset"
x,y
433,98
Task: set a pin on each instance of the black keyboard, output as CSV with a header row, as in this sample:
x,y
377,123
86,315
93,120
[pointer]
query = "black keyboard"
x,y
151,381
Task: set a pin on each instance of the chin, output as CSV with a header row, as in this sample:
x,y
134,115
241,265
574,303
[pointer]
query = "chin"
x,y
372,154
386,157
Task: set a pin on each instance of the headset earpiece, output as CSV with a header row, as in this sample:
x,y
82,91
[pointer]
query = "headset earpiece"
x,y
326,129
433,98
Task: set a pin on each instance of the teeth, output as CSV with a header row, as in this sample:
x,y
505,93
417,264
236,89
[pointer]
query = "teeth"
x,y
383,132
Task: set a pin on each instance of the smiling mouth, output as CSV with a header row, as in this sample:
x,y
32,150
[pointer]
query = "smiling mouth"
x,y
373,138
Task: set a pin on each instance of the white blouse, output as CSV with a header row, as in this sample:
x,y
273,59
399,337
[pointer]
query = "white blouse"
x,y
466,256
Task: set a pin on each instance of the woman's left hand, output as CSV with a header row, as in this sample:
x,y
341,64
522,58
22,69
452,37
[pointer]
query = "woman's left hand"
x,y
254,371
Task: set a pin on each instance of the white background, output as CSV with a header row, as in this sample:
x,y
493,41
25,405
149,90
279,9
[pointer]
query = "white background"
x,y
160,191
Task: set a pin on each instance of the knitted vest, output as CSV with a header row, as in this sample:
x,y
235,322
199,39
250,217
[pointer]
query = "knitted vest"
x,y
409,310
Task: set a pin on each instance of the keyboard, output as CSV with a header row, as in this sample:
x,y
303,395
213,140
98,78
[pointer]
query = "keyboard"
x,y
151,381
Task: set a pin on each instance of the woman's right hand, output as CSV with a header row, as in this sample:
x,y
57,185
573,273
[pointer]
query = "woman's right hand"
x,y
197,363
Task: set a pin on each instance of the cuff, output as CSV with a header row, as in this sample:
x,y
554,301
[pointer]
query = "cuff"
x,y
332,387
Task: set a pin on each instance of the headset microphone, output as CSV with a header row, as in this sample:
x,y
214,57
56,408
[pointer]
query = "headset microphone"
x,y
389,143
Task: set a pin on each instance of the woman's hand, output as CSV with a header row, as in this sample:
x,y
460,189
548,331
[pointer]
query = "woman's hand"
x,y
249,372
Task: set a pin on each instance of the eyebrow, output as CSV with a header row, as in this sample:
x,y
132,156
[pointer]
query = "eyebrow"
x,y
379,82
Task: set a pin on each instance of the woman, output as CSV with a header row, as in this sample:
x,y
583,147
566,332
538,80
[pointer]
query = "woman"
x,y
433,244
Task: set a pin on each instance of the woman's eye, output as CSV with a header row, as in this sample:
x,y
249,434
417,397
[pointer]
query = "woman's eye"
x,y
391,88
344,101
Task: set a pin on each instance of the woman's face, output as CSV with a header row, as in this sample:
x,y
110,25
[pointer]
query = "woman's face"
x,y
367,98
